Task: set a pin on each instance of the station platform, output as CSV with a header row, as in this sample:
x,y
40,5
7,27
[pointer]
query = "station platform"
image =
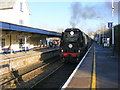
x,y
21,60
98,70
19,54
24,65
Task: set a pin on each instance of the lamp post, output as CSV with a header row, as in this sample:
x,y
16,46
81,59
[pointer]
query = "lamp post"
x,y
112,27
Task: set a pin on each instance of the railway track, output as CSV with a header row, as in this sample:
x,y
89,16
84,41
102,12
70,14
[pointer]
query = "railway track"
x,y
30,75
56,78
51,73
32,87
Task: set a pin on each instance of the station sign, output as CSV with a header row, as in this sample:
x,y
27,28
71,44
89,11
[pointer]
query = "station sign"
x,y
110,24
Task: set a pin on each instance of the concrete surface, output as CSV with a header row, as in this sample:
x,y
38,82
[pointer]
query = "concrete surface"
x,y
107,70
106,67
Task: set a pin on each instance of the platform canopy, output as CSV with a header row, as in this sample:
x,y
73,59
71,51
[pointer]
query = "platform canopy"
x,y
14,27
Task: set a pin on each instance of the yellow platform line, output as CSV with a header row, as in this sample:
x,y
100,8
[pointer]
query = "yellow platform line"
x,y
93,87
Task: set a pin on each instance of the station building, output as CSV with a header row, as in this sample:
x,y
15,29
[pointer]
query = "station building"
x,y
15,11
15,31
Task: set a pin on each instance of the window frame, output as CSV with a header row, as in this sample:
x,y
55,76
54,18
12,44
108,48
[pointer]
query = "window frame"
x,y
21,6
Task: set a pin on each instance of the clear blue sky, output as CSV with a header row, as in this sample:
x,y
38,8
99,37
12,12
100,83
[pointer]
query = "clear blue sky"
x,y
49,14
56,15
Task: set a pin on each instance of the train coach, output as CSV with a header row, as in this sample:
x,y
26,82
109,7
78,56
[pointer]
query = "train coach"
x,y
74,44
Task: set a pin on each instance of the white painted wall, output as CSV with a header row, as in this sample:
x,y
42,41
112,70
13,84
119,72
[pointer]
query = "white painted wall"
x,y
15,15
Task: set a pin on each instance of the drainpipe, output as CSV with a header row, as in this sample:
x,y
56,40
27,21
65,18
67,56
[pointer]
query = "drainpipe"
x,y
10,40
25,43
10,45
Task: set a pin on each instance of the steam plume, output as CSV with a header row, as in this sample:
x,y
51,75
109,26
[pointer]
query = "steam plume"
x,y
81,12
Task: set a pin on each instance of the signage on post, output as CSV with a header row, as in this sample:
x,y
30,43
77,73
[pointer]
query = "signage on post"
x,y
110,24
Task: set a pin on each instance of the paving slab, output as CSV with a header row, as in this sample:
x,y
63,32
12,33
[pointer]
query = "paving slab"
x,y
107,70
106,67
82,77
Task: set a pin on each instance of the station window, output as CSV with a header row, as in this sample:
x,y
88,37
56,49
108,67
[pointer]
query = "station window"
x,y
21,6
20,42
21,22
3,42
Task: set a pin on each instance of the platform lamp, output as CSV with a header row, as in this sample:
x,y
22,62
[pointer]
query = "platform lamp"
x,y
112,27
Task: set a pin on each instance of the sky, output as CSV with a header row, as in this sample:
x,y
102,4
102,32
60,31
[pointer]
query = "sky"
x,y
56,15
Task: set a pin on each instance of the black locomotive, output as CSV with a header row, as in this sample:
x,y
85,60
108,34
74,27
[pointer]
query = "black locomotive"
x,y
74,43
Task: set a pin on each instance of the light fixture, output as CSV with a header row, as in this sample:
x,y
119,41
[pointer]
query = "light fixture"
x,y
72,33
70,45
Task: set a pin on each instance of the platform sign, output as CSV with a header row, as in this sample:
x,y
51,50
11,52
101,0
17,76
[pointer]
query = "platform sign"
x,y
110,24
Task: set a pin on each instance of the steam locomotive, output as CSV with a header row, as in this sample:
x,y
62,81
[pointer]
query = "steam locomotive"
x,y
74,43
